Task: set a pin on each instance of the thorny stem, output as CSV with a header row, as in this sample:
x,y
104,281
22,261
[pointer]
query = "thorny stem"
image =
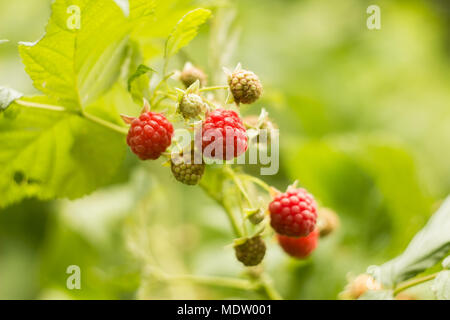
x,y
414,282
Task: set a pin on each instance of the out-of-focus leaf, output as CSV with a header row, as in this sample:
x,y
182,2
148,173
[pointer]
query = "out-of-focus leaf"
x,y
441,285
139,82
8,96
429,246
51,154
377,295
371,181
446,263
140,9
186,30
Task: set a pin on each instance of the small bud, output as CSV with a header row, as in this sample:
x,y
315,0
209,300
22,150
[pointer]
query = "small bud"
x,y
360,285
191,106
190,74
256,216
328,221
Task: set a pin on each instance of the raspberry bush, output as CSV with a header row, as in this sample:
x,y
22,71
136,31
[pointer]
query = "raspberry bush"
x,y
106,99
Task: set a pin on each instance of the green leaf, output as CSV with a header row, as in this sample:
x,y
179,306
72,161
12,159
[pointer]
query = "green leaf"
x,y
441,285
141,9
186,30
139,83
49,154
426,249
74,64
377,295
383,202
7,96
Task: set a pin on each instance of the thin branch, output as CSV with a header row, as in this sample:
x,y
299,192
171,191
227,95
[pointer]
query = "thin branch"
x,y
414,282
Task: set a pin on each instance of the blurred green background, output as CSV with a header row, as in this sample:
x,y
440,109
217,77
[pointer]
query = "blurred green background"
x,y
364,119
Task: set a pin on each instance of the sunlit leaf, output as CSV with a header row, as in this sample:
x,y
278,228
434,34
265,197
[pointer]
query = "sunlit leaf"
x,y
441,285
139,82
186,30
51,154
427,248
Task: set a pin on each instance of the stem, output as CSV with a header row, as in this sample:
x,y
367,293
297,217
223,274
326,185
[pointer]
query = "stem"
x,y
214,88
104,123
215,281
40,106
414,282
82,114
161,83
257,181
238,183
269,289
235,225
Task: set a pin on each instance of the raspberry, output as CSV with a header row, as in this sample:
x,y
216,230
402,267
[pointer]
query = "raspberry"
x,y
301,247
191,106
150,135
224,132
293,213
190,74
251,252
245,86
187,172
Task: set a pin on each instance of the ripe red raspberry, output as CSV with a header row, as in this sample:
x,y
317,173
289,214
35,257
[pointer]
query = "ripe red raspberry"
x,y
293,213
301,247
223,135
150,135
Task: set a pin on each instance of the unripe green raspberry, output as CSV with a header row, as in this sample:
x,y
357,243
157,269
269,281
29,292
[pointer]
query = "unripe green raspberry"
x,y
190,74
187,173
245,86
257,217
251,252
191,106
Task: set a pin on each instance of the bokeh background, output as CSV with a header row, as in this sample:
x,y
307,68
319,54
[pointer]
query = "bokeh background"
x,y
364,119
